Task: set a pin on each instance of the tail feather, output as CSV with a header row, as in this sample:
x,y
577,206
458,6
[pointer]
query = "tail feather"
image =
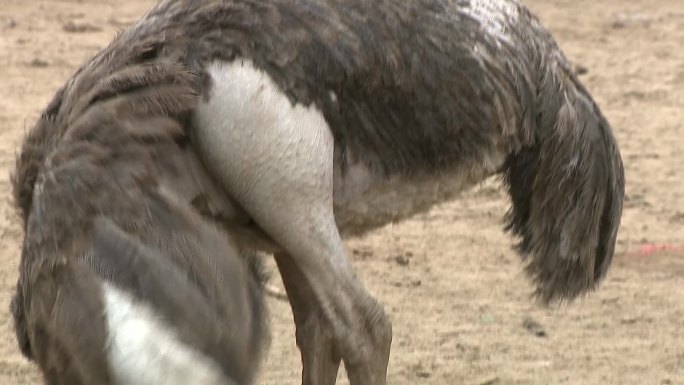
x,y
197,309
567,191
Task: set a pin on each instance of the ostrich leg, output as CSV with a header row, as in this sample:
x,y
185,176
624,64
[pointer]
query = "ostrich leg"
x,y
276,160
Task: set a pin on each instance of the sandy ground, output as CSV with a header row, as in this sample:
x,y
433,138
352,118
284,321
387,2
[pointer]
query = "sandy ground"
x,y
453,288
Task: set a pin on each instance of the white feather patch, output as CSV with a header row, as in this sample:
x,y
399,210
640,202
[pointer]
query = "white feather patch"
x,y
143,349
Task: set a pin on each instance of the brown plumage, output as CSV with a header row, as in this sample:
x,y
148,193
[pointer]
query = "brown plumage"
x,y
429,88
409,89
106,195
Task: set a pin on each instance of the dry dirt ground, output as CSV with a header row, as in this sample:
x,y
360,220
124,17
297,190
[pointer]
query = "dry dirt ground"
x,y
449,280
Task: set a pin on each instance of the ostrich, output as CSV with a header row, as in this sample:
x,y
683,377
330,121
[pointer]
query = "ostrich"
x,y
122,279
322,120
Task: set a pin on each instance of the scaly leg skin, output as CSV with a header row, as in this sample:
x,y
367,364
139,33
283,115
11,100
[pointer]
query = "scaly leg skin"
x,y
315,341
276,160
